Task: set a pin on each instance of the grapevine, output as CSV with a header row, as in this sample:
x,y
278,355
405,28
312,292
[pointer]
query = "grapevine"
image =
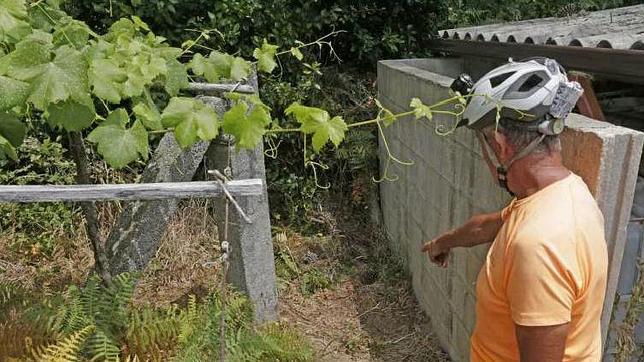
x,y
55,68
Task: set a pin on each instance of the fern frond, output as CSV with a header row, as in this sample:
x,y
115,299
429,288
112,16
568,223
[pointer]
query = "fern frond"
x,y
91,296
103,348
67,349
149,330
72,315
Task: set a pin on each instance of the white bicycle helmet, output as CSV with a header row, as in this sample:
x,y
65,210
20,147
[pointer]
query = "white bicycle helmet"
x,y
537,87
536,93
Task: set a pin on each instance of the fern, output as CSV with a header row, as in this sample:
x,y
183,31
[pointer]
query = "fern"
x,y
187,320
99,323
150,331
103,348
72,316
66,350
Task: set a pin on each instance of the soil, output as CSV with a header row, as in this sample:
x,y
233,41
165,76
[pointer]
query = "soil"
x,y
357,322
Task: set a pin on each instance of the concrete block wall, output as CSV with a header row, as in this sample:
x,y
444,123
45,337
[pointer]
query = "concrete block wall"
x,y
449,182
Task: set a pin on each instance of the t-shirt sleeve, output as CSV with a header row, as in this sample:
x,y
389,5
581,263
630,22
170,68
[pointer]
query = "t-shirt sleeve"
x,y
539,289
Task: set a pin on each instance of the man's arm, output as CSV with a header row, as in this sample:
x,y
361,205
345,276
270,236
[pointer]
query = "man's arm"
x,y
542,344
480,229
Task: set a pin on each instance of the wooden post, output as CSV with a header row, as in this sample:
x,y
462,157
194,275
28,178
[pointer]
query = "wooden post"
x,y
588,104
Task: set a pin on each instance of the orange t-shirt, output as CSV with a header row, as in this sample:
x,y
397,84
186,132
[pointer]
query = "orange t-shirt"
x,y
547,266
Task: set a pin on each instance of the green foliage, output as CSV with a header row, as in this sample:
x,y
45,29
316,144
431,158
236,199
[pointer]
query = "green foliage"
x,y
317,122
248,127
61,67
218,66
67,349
313,281
375,29
266,57
40,161
420,110
191,119
118,144
243,342
100,323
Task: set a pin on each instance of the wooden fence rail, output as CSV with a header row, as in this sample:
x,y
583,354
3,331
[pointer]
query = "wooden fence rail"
x,y
145,191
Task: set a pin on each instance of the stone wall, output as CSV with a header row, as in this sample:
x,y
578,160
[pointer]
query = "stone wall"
x,y
449,182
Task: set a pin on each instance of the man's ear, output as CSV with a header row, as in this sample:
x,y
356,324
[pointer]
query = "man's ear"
x,y
505,148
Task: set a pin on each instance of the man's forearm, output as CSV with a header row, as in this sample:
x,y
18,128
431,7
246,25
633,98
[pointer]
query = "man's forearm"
x,y
480,229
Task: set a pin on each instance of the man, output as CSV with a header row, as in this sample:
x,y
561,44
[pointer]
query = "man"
x,y
541,289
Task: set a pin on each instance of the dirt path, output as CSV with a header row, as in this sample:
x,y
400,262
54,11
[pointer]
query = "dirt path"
x,y
357,322
368,312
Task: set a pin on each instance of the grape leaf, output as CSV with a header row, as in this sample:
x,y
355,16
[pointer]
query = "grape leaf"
x,y
117,118
198,64
29,52
122,28
317,121
191,119
6,149
247,128
53,81
71,115
76,32
297,53
141,70
213,68
176,78
220,66
107,78
14,92
266,57
117,144
45,16
421,110
239,69
13,21
140,24
149,115
12,129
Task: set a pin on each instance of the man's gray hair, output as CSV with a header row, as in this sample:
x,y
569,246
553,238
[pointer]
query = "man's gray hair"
x,y
520,136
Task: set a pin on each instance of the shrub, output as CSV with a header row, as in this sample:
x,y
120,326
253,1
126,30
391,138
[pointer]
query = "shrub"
x,y
38,224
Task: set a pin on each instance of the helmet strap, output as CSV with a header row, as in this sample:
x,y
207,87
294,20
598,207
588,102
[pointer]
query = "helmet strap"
x,y
502,169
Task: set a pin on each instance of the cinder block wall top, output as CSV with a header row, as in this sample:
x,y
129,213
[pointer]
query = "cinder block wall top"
x,y
449,182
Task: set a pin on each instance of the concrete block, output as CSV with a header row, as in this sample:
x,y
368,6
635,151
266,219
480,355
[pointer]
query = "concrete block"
x,y
607,157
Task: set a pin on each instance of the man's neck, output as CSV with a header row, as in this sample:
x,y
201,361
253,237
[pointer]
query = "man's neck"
x,y
535,172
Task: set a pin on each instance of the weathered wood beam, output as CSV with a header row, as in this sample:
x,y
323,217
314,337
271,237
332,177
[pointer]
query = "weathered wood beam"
x,y
209,88
146,191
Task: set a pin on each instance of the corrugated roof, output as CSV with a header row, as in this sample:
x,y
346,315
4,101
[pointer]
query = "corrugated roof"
x,y
621,28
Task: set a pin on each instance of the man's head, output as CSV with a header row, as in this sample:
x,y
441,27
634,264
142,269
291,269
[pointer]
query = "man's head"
x,y
511,136
519,109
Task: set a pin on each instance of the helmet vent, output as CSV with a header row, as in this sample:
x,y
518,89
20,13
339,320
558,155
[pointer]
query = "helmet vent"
x,y
495,81
532,81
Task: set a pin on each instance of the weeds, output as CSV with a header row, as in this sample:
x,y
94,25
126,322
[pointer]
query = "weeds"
x,y
97,322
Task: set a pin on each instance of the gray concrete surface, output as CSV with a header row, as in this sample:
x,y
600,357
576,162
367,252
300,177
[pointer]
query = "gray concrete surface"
x,y
252,265
449,182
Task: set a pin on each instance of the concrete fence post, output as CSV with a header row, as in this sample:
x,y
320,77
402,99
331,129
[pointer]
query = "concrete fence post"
x,y
252,265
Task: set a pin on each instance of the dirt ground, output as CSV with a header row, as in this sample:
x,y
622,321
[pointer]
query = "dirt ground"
x,y
356,322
